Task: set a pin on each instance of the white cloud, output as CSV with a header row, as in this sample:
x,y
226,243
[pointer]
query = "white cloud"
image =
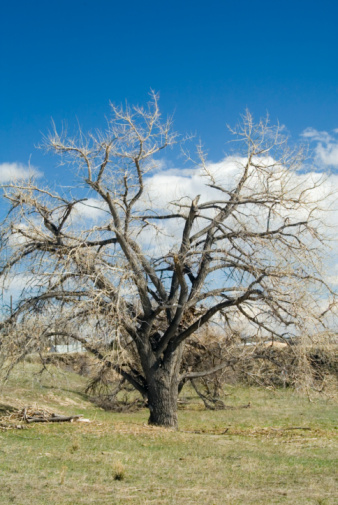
x,y
328,154
158,165
314,135
326,150
174,184
168,186
91,208
13,171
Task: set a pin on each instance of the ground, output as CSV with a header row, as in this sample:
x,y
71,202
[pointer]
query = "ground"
x,y
252,456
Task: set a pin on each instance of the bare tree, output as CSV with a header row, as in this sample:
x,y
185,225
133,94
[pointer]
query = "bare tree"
x,y
121,287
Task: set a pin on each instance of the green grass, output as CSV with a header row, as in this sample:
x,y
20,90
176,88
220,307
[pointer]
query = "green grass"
x,y
242,456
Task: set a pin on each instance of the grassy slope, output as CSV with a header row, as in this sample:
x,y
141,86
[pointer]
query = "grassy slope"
x,y
256,461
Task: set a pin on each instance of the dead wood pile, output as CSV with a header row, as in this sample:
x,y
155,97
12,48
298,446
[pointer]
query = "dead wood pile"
x,y
29,415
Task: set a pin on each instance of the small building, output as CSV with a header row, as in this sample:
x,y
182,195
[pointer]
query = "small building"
x,y
67,348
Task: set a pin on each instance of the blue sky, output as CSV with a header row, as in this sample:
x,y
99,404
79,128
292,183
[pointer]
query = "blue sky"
x,y
209,60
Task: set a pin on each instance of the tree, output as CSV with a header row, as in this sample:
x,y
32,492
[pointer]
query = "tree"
x,y
248,249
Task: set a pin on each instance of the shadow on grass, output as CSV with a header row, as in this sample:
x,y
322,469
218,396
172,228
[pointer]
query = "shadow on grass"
x,y
5,409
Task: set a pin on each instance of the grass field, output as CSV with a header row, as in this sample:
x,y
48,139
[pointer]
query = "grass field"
x,y
241,456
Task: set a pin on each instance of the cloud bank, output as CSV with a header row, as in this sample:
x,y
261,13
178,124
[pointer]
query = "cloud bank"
x,y
13,171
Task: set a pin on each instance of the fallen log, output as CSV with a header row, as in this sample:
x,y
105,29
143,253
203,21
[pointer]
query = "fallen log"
x,y
52,419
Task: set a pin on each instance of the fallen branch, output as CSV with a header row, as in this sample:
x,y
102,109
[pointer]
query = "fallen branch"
x,y
296,428
53,419
35,415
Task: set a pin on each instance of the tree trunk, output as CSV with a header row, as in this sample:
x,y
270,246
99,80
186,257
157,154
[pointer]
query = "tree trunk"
x,y
162,399
163,382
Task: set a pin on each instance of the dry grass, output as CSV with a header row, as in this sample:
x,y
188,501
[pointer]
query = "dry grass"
x,y
245,456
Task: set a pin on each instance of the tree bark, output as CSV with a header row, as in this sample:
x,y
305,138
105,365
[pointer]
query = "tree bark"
x,y
162,400
163,382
